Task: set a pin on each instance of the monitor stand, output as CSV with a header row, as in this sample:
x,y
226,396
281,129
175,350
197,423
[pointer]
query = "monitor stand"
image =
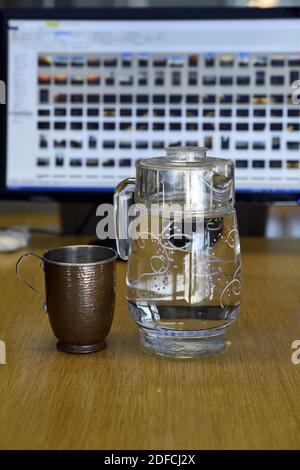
x,y
80,219
252,219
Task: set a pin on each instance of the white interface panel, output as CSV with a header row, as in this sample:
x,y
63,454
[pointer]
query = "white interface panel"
x,y
88,98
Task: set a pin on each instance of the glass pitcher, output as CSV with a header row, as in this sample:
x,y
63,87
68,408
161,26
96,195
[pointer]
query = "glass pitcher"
x,y
176,224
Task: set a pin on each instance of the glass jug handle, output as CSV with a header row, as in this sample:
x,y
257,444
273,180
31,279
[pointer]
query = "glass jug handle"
x,y
123,199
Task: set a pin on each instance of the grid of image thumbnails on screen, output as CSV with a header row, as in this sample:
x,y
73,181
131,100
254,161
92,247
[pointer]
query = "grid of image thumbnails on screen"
x,y
117,108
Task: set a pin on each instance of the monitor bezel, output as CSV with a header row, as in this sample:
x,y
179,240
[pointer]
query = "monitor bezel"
x,y
119,14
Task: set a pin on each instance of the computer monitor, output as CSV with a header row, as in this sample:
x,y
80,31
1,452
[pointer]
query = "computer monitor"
x,y
91,91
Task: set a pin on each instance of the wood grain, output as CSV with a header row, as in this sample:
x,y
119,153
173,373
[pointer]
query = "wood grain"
x,y
122,398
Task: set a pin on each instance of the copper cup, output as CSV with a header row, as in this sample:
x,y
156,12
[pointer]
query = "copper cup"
x,y
80,295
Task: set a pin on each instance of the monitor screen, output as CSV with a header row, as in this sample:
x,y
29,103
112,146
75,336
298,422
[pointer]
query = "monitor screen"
x,y
87,98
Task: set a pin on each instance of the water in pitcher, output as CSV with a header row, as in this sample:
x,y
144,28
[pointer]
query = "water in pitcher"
x,y
180,283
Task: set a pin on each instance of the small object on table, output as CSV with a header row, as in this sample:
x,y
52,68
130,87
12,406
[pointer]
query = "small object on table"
x,y
14,238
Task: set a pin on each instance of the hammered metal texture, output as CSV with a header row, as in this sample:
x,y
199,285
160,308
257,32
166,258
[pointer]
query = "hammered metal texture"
x,y
80,301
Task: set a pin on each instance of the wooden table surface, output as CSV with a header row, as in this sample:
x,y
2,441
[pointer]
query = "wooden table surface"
x,y
122,398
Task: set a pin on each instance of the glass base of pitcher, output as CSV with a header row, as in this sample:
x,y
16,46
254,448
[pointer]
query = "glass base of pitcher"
x,y
181,347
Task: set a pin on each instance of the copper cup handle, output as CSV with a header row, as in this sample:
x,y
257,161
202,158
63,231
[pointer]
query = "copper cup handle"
x,y
27,283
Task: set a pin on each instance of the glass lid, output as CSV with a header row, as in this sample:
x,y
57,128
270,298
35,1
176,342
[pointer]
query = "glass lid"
x,y
184,158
